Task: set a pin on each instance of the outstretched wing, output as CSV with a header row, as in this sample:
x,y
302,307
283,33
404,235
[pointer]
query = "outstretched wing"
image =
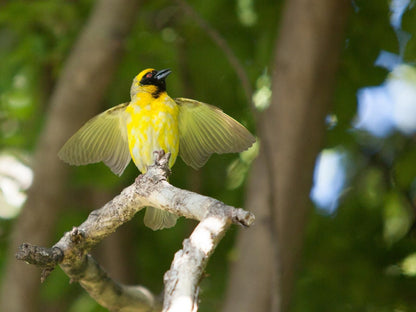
x,y
102,138
205,129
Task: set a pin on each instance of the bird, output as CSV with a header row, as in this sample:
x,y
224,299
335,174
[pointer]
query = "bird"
x,y
153,121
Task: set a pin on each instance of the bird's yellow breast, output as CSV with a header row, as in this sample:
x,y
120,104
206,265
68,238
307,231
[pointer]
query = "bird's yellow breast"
x,y
152,125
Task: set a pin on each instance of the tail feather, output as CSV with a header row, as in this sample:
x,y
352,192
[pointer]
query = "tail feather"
x,y
158,219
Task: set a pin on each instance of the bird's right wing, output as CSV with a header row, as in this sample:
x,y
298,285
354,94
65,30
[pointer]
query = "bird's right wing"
x,y
205,129
102,138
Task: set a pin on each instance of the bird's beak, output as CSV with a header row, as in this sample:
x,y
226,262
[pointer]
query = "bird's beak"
x,y
162,74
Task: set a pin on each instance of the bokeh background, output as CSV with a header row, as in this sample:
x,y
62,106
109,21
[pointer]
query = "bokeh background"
x,y
328,87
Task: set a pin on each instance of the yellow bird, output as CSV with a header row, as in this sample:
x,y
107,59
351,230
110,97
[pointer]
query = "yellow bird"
x,y
153,121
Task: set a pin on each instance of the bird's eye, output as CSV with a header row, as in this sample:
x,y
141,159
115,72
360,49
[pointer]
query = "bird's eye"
x,y
149,75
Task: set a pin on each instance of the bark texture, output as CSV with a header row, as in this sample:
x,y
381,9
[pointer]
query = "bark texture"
x,y
76,97
181,281
291,133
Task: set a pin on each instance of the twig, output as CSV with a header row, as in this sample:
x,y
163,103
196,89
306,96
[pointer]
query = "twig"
x,y
151,189
224,46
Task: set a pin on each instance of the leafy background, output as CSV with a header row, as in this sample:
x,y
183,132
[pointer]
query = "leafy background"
x,y
357,256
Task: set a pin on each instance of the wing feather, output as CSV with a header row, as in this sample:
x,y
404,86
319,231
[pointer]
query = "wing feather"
x,y
205,129
102,138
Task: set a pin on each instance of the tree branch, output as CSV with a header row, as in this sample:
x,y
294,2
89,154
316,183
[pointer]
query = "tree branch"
x,y
224,46
181,281
150,189
77,96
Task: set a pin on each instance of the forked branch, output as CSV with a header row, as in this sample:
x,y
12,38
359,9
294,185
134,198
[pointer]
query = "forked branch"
x,y
181,281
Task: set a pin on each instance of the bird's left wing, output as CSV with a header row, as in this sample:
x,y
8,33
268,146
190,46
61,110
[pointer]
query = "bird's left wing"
x,y
205,129
102,138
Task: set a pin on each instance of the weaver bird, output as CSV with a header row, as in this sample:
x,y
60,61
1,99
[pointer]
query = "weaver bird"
x,y
153,121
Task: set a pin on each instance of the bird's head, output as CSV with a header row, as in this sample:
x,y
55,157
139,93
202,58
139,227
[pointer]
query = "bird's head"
x,y
151,81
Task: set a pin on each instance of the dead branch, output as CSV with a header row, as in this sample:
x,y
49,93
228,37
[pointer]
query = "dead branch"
x,y
181,281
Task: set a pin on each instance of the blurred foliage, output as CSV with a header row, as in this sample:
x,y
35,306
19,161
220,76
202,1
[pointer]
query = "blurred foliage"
x,y
35,39
361,258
